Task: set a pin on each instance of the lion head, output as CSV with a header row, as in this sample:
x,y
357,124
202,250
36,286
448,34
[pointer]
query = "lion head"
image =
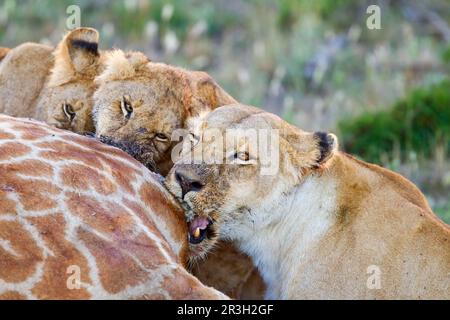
x,y
139,104
66,100
244,159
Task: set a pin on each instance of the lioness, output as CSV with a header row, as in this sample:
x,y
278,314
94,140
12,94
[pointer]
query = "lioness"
x,y
324,226
53,85
138,106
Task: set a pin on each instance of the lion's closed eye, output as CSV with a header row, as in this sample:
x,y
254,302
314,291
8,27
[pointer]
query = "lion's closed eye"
x,y
126,106
161,137
243,157
194,139
68,111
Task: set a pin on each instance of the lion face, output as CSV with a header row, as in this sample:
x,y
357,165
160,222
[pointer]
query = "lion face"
x,y
129,116
67,98
139,104
69,106
223,199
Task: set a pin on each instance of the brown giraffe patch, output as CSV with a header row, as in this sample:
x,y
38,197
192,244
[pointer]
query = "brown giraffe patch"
x,y
29,167
156,296
34,194
7,206
109,235
105,150
123,175
144,249
162,207
11,150
11,184
31,132
5,135
117,268
64,151
185,286
103,217
146,218
182,285
19,253
54,284
12,295
79,176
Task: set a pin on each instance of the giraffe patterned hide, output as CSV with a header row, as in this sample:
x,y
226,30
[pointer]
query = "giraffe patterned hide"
x,y
82,220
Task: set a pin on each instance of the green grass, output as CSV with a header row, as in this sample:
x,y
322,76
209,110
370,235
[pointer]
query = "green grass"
x,y
419,123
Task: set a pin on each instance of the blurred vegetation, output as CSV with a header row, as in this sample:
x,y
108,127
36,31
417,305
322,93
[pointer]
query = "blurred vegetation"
x,y
414,131
419,123
315,63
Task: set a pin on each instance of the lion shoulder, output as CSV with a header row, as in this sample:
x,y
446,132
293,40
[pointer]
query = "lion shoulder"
x,y
27,67
402,186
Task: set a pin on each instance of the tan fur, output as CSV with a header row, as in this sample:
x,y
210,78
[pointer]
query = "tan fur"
x,y
72,208
164,98
3,52
320,226
37,80
23,73
231,272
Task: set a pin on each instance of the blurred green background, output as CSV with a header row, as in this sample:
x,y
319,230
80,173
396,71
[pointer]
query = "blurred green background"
x,y
386,93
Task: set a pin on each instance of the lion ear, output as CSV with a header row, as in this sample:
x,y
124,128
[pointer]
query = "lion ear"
x,y
82,46
312,150
327,144
76,55
209,94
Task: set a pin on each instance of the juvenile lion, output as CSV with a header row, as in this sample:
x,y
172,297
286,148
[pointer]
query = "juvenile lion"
x,y
324,226
138,106
53,85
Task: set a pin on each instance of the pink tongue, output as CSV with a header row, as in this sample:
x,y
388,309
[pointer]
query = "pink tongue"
x,y
198,222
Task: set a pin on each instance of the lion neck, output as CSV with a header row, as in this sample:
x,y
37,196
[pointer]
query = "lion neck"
x,y
291,229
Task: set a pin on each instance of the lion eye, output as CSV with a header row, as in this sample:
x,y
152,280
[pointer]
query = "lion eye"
x,y
68,111
194,139
243,156
126,107
161,137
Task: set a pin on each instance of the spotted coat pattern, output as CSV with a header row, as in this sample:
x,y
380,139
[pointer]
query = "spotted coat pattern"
x,y
71,206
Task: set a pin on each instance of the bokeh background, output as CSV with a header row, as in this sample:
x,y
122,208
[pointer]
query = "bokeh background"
x,y
386,93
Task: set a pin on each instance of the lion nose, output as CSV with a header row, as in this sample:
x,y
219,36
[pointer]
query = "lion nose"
x,y
188,181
